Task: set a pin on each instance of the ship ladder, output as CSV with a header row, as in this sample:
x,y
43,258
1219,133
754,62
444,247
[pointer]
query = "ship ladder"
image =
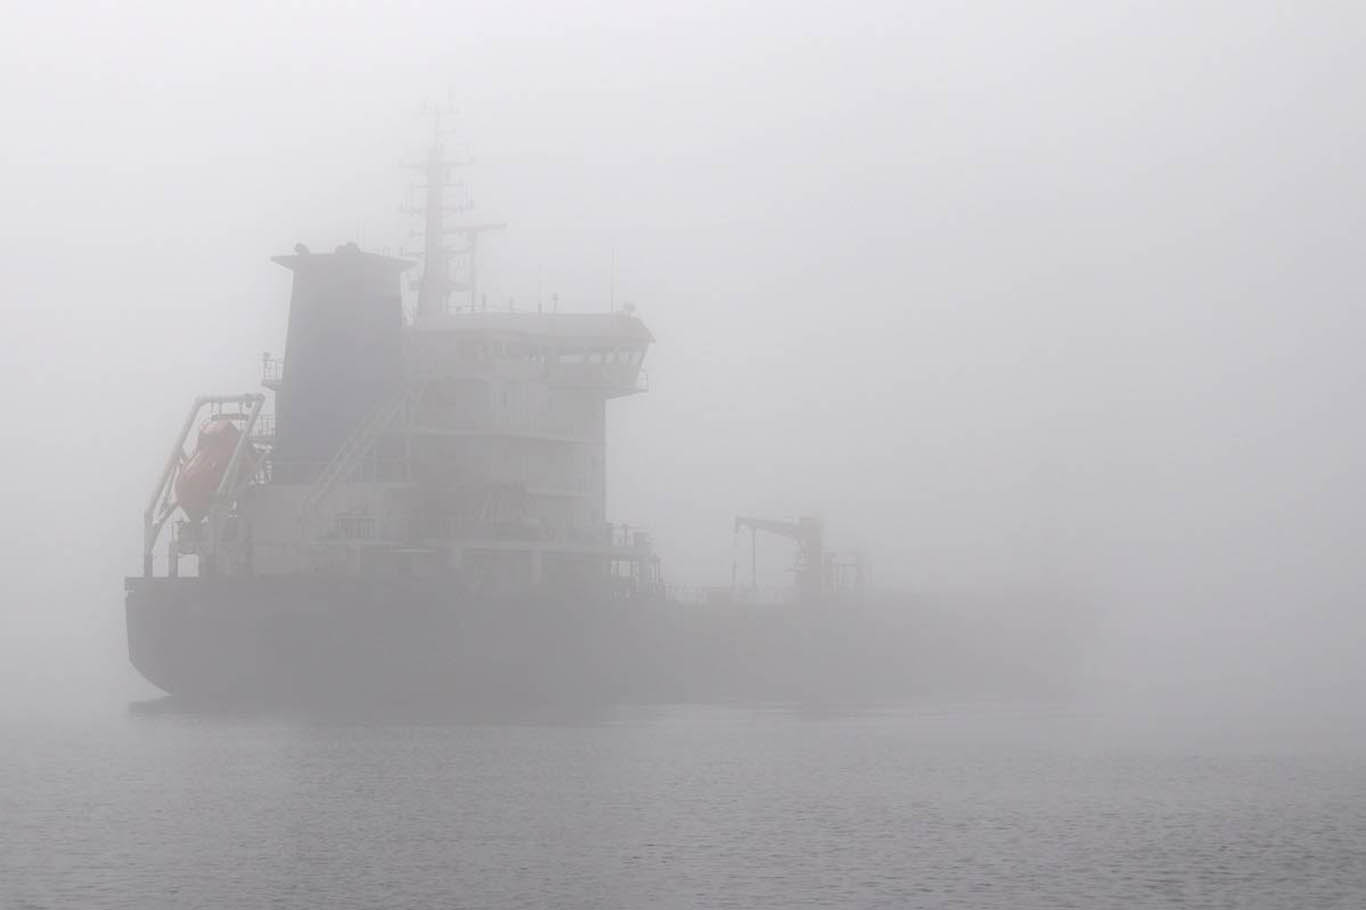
x,y
352,451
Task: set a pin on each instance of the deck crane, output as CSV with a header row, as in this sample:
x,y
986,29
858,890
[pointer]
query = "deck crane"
x,y
808,532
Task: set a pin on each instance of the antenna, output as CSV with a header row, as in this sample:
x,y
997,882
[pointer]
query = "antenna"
x,y
436,283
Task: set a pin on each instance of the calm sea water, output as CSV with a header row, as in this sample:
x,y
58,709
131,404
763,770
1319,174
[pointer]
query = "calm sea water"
x,y
951,806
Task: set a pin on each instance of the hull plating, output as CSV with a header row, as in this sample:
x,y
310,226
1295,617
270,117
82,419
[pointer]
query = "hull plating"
x,y
356,641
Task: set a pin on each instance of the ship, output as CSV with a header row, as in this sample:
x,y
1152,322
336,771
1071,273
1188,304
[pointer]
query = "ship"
x,y
413,511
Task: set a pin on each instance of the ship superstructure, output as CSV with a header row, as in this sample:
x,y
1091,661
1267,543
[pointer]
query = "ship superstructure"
x,y
463,442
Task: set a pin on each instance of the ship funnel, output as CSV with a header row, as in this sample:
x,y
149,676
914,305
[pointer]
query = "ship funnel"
x,y
343,353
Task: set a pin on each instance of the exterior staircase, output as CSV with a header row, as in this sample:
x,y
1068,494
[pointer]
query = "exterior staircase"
x,y
356,447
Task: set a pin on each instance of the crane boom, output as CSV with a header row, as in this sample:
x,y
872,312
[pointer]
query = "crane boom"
x,y
808,532
790,529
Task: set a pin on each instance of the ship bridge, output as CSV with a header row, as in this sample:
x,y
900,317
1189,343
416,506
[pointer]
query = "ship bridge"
x,y
507,436
594,352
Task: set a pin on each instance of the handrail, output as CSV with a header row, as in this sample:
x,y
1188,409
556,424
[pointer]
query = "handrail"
x,y
272,370
356,446
265,427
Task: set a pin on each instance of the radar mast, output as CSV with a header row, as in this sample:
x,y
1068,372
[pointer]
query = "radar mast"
x,y
437,284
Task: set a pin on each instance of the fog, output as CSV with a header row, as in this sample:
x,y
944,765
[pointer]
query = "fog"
x,y
1056,298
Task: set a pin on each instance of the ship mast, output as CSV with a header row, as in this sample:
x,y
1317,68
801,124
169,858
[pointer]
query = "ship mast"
x,y
435,287
436,284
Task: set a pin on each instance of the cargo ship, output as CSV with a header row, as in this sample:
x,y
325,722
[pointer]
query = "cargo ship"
x,y
412,510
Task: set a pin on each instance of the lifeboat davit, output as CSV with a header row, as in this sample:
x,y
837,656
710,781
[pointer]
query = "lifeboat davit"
x,y
203,472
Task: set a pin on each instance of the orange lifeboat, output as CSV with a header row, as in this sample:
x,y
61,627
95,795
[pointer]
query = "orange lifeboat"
x,y
200,476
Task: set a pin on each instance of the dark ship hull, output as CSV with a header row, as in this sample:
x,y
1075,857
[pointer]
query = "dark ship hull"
x,y
311,639
387,642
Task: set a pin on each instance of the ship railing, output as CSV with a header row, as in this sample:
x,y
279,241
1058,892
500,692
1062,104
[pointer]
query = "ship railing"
x,y
264,431
634,588
272,371
539,309
629,537
696,594
353,526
